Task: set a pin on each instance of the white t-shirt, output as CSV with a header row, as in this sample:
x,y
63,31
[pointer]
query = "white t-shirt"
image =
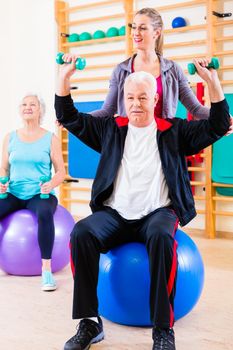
x,y
140,185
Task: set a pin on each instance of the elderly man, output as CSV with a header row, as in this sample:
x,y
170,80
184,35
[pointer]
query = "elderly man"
x,y
140,193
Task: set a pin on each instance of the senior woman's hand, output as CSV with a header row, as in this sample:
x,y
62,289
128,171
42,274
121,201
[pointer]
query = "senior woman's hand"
x,y
46,187
3,187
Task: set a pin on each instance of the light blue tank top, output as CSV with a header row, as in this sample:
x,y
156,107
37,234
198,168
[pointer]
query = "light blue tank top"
x,y
28,161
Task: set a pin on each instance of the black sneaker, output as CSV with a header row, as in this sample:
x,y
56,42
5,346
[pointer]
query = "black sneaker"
x,y
164,339
88,332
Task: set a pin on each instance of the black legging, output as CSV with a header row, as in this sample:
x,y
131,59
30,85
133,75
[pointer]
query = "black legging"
x,y
44,210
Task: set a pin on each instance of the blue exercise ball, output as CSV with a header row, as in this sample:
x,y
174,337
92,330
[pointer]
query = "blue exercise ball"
x,y
178,22
124,280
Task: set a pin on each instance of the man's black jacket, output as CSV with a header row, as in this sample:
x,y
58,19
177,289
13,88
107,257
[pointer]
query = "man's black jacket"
x,y
176,139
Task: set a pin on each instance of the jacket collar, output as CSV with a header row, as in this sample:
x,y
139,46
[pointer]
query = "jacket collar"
x,y
162,124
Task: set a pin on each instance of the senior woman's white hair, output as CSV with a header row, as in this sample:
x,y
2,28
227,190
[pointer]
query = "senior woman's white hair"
x,y
141,77
40,101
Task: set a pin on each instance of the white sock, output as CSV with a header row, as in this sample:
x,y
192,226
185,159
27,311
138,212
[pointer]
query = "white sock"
x,y
95,319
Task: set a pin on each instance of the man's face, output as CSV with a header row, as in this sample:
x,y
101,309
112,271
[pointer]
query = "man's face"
x,y
140,101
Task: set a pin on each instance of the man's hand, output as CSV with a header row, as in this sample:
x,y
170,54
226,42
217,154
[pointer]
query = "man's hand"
x,y
210,76
206,74
66,70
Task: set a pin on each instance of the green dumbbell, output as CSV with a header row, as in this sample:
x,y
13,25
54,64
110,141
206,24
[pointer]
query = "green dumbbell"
x,y
73,37
85,36
122,31
99,34
80,62
44,179
214,63
113,31
3,180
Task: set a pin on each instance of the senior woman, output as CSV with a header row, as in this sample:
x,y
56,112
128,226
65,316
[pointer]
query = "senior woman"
x,y
28,154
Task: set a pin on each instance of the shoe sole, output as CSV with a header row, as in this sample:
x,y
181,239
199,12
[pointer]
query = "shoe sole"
x,y
48,288
95,340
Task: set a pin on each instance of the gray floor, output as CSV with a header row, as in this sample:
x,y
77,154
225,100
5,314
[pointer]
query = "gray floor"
x,y
34,320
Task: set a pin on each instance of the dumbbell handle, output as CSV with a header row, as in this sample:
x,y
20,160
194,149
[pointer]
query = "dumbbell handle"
x,y
80,62
3,180
214,63
44,179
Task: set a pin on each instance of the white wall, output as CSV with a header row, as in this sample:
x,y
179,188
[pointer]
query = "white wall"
x,y
27,56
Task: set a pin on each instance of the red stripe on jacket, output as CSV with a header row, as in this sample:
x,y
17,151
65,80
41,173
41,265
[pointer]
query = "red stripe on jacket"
x,y
162,124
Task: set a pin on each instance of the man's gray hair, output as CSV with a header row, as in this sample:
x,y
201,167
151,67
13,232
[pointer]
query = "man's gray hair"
x,y
141,77
40,101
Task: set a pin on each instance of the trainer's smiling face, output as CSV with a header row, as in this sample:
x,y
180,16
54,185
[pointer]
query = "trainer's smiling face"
x,y
140,101
143,32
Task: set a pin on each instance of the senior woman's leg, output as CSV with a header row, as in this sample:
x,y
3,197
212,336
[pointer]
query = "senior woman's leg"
x,y
44,210
9,205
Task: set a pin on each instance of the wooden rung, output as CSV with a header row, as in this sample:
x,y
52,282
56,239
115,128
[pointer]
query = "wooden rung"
x,y
90,79
226,82
185,43
76,189
200,211
223,53
195,168
93,19
226,68
93,42
186,57
197,183
223,23
65,152
84,7
80,201
190,57
89,92
103,53
222,199
217,184
185,29
100,66
120,38
180,5
223,82
223,213
224,38
199,198
222,68
106,3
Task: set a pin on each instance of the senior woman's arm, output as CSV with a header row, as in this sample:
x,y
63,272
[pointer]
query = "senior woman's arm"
x,y
58,164
4,169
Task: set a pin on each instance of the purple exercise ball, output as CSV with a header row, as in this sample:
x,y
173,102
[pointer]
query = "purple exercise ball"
x,y
19,248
